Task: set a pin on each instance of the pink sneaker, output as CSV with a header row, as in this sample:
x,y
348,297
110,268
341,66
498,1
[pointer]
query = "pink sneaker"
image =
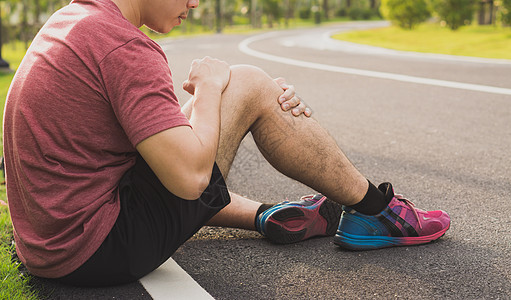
x,y
399,224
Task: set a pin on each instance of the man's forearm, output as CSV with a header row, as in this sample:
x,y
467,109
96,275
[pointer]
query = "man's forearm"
x,y
205,120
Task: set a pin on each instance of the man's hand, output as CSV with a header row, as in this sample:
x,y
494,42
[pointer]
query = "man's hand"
x,y
289,101
194,147
208,72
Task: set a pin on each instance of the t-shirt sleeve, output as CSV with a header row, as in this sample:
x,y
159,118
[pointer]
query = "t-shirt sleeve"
x,y
139,86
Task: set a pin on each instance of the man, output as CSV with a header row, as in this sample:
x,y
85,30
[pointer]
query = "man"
x,y
107,176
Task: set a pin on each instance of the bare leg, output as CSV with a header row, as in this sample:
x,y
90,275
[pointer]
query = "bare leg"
x,y
240,213
296,146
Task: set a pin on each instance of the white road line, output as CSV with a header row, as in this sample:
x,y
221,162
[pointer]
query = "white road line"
x,y
244,47
170,281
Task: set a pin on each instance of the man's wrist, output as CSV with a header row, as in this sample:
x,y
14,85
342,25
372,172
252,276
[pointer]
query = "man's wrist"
x,y
209,87
207,94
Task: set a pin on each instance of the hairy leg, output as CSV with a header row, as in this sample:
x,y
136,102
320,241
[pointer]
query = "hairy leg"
x,y
240,213
296,146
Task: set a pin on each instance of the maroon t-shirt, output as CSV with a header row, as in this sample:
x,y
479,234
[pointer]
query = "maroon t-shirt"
x,y
90,88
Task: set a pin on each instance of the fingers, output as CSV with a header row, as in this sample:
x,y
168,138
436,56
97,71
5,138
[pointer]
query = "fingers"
x,y
297,107
187,86
301,109
289,101
211,71
289,90
281,82
289,104
289,93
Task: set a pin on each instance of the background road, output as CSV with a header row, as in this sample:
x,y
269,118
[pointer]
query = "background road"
x,y
443,148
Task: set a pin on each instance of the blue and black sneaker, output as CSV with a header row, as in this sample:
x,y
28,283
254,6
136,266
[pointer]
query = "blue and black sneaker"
x,y
399,224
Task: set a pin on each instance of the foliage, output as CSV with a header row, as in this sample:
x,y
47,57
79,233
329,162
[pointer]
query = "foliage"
x,y
305,13
21,19
357,13
357,10
406,14
273,11
455,13
505,13
342,12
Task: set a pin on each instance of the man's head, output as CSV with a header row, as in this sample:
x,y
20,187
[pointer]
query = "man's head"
x,y
159,15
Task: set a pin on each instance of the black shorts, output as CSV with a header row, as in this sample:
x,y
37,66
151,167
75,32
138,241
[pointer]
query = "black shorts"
x,y
151,225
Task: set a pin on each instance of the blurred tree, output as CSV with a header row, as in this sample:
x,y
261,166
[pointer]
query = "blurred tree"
x,y
272,10
218,15
316,11
24,18
255,13
4,65
326,9
289,10
405,13
360,10
229,10
304,9
455,13
505,12
206,14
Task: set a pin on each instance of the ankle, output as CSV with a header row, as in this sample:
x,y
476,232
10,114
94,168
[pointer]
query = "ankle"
x,y
261,209
373,202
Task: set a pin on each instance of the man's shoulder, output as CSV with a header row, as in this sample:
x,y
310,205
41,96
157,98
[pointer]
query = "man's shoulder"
x,y
97,25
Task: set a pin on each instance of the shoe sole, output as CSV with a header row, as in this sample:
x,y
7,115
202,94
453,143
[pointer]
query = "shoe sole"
x,y
293,224
360,242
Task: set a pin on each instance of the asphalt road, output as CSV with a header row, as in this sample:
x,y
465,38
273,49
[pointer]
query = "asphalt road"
x,y
442,147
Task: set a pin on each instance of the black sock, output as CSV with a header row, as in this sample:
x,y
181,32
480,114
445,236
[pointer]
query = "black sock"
x,y
373,202
262,208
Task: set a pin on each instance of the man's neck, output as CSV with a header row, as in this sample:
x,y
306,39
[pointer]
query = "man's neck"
x,y
130,10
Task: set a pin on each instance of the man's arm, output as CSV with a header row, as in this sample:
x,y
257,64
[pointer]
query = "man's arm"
x,y
183,157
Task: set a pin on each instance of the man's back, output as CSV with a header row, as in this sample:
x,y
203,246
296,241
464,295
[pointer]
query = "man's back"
x,y
66,146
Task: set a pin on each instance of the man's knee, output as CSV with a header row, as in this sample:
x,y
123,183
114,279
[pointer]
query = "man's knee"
x,y
256,84
248,70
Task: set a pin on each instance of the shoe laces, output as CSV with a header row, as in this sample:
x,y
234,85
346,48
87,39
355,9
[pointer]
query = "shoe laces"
x,y
304,200
410,205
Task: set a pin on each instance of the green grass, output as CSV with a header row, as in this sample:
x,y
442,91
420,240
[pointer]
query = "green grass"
x,y
13,53
477,41
12,285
